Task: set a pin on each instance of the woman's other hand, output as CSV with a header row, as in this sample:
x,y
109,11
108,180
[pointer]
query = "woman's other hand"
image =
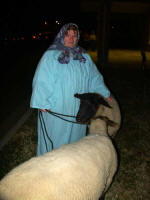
x,y
44,110
109,99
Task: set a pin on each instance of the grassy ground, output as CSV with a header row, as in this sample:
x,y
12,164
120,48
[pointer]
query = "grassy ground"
x,y
132,181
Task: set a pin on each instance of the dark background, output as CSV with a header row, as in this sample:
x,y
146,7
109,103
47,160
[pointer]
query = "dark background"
x,y
20,21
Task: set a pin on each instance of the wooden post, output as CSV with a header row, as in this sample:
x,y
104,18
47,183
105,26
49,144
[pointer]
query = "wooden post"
x,y
103,31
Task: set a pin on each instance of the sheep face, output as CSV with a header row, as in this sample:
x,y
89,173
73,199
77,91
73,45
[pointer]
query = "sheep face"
x,y
89,104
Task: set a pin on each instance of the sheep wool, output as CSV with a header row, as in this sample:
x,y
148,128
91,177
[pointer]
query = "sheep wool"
x,y
79,171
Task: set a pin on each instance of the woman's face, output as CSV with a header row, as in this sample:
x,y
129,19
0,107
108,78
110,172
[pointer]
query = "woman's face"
x,y
71,38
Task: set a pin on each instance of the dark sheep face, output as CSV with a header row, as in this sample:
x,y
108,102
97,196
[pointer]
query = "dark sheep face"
x,y
89,104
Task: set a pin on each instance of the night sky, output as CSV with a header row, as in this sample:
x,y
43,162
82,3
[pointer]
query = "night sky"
x,y
28,16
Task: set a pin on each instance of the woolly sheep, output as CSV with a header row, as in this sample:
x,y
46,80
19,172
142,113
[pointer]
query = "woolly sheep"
x,y
90,108
79,171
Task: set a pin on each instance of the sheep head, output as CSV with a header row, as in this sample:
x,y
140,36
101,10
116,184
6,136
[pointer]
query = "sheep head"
x,y
89,104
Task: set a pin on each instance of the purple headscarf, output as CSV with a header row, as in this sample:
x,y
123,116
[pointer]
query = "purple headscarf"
x,y
66,52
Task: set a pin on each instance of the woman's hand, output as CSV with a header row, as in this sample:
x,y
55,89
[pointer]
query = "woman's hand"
x,y
109,99
44,110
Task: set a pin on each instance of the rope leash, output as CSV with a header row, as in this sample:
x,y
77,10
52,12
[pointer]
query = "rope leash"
x,y
59,116
44,129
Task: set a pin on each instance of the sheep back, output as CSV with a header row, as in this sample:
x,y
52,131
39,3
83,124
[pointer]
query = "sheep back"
x,y
78,171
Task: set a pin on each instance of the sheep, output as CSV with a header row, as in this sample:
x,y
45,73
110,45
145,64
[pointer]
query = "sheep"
x,y
82,170
114,114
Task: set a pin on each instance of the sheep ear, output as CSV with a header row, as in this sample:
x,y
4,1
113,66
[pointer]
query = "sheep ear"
x,y
108,121
111,123
103,102
77,95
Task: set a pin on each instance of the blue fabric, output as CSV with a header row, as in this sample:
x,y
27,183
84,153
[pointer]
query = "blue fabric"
x,y
67,52
54,86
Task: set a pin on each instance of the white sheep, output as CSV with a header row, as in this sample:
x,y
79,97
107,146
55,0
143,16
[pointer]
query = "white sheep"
x,y
79,171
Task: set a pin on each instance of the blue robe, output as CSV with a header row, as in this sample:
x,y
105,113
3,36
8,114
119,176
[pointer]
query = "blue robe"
x,y
54,86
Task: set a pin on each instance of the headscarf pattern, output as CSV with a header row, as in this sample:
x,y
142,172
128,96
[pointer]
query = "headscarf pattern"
x,y
67,52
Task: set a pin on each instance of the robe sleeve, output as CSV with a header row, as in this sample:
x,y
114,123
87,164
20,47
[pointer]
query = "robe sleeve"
x,y
97,83
43,84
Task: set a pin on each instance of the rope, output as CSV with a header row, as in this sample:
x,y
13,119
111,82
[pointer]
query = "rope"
x,y
43,126
61,114
57,115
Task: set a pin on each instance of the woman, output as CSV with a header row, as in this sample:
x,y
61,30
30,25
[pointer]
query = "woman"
x,y
64,69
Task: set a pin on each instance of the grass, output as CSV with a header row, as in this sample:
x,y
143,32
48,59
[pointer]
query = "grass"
x,y
132,180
